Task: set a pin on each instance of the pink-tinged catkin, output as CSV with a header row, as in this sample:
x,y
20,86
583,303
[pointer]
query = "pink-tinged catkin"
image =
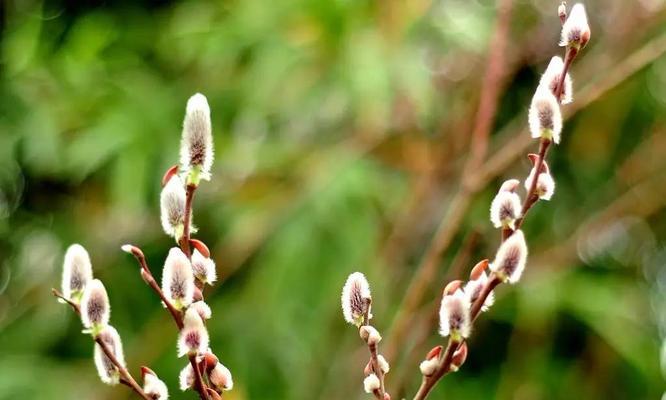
x,y
95,307
551,79
474,287
506,206
511,258
203,268
545,117
545,187
576,30
193,338
154,387
108,372
186,378
172,207
177,279
454,315
220,378
76,272
355,298
196,147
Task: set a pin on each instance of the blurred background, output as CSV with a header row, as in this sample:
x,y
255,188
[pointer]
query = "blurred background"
x,y
349,135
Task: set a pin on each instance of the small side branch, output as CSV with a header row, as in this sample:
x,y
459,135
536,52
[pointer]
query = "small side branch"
x,y
125,377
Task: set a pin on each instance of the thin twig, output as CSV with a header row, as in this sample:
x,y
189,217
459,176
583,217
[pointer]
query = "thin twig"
x,y
199,383
150,280
444,366
126,378
185,240
374,361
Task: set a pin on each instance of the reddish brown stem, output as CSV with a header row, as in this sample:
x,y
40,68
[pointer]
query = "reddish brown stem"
x,y
199,383
185,240
444,367
374,361
125,377
531,198
150,280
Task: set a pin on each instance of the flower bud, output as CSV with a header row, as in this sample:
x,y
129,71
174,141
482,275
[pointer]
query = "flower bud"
x,y
452,287
76,272
169,174
201,246
202,309
562,12
355,298
193,338
371,383
107,371
95,308
434,352
505,208
177,279
186,377
370,335
220,378
203,268
551,78
478,269
545,118
210,360
196,146
383,364
511,258
454,316
153,386
172,207
473,290
576,31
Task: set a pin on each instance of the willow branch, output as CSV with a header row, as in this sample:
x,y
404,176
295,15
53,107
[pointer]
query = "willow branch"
x,y
147,276
126,378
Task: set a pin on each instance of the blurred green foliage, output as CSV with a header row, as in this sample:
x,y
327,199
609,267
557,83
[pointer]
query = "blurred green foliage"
x,y
339,126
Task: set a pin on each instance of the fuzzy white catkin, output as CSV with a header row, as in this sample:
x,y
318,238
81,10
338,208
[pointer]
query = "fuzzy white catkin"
x,y
76,272
551,78
193,338
383,364
545,187
511,258
505,209
203,268
545,117
186,378
196,147
473,290
221,378
155,388
177,279
454,314
576,30
95,308
107,371
355,294
172,206
428,367
202,308
371,383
